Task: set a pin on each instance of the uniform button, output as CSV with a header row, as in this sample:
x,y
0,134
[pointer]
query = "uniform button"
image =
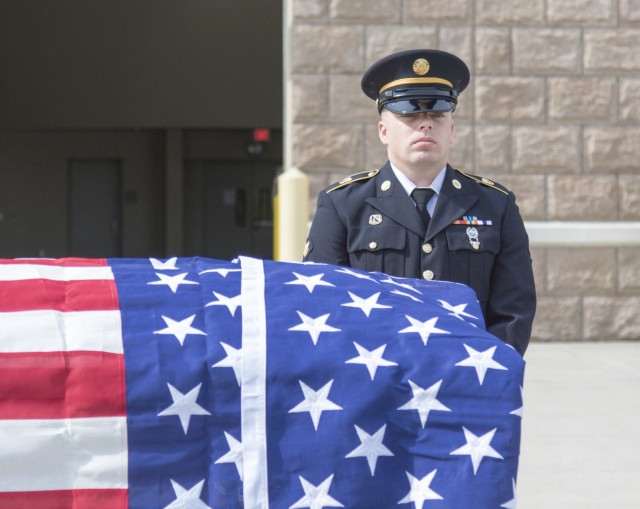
x,y
373,245
427,248
428,274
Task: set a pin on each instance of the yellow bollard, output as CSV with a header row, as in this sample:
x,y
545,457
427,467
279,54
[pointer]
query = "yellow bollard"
x,y
291,216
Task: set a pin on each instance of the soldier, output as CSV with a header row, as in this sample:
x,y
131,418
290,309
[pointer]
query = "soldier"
x,y
419,217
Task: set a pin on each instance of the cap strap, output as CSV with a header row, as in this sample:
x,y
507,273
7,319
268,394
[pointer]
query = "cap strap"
x,y
413,81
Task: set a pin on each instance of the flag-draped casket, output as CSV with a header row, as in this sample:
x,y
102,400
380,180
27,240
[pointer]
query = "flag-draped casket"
x,y
199,383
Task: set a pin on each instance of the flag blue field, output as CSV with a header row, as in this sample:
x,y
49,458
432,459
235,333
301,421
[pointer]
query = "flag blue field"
x,y
199,383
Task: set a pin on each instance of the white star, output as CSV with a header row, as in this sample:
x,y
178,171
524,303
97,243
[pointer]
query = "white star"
x,y
401,285
356,274
173,282
457,311
222,272
511,504
478,447
309,281
170,264
232,360
519,411
234,455
314,326
425,329
316,497
420,490
187,499
184,405
372,359
232,303
424,400
365,305
315,402
179,329
371,447
482,361
405,294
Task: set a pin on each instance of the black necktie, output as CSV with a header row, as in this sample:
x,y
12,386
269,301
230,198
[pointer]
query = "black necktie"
x,y
421,195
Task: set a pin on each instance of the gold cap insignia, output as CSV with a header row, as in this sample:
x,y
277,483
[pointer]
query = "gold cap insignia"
x,y
421,66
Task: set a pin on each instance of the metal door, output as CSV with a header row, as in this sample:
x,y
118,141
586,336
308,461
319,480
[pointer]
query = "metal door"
x,y
228,209
95,208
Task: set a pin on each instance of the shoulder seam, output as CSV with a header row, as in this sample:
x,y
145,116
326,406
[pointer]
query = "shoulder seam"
x,y
483,181
356,177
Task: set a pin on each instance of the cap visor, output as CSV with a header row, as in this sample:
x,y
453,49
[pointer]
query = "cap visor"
x,y
418,106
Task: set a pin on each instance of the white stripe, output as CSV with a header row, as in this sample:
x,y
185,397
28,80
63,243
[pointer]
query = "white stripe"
x,y
253,399
583,234
53,331
39,455
14,272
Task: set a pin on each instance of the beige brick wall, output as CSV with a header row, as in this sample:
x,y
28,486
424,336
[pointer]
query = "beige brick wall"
x,y
552,112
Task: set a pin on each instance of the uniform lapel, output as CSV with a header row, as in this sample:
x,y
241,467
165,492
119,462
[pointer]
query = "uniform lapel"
x,y
392,200
454,200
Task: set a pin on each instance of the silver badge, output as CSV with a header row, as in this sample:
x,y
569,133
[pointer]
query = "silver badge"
x,y
472,233
375,219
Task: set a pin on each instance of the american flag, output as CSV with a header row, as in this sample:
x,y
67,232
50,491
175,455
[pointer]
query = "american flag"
x,y
199,383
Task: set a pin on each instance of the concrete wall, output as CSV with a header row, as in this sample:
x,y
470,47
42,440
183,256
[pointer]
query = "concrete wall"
x,y
552,112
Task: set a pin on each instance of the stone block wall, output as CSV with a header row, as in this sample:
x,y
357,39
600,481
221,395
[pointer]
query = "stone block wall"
x,y
552,112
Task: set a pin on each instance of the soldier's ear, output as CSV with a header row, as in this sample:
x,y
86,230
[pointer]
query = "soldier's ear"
x,y
382,132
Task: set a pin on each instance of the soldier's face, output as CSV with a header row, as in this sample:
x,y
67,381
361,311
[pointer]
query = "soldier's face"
x,y
419,140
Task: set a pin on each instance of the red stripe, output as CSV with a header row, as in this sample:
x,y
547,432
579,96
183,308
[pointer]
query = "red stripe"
x,y
67,499
58,262
58,385
32,294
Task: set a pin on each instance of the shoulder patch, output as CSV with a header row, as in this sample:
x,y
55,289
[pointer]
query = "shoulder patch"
x,y
484,181
356,177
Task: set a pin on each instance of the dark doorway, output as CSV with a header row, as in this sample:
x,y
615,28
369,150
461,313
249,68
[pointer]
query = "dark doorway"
x,y
95,208
228,209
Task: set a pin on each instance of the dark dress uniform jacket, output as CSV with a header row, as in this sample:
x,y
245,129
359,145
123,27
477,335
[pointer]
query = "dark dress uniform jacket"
x,y
369,222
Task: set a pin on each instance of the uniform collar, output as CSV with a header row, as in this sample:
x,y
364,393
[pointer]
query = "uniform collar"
x,y
409,186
